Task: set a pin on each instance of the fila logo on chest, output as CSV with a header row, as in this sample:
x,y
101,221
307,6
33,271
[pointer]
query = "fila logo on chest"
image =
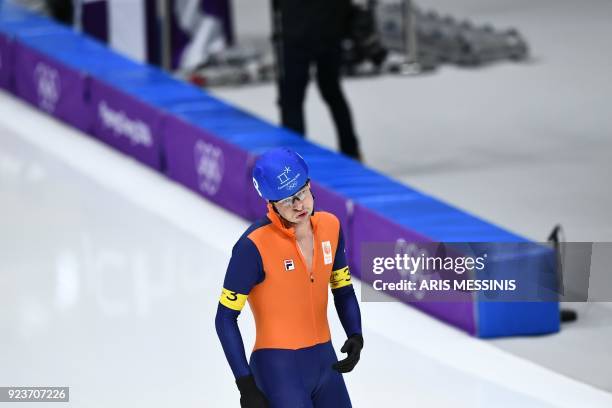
x,y
327,252
289,265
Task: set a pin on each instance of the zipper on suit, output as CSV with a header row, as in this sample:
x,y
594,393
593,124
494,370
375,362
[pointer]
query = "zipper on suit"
x,y
311,276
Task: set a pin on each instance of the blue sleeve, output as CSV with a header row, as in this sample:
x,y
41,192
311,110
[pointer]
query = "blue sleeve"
x,y
245,268
244,271
347,307
340,256
345,300
226,323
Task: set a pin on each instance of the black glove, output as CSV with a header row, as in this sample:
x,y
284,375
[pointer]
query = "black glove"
x,y
250,395
352,346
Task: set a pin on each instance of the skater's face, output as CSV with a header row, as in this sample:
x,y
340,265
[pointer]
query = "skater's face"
x,y
297,208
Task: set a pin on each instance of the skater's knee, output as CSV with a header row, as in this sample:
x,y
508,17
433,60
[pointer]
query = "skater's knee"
x,y
291,100
332,94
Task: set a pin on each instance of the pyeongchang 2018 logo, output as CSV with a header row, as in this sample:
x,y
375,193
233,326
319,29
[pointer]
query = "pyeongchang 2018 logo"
x,y
286,180
210,166
136,131
47,86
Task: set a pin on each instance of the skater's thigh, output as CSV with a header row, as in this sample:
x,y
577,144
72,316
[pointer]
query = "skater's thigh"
x,y
278,376
331,391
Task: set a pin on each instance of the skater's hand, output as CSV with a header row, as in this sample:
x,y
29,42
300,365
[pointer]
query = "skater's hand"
x,y
250,395
352,346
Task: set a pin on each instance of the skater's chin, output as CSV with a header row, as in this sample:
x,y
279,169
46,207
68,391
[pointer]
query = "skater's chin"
x,y
302,216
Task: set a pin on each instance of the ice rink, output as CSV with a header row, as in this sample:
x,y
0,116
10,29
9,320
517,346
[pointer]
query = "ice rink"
x,y
110,273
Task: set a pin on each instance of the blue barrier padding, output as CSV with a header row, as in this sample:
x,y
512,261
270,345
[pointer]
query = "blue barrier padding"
x,y
225,119
13,24
141,75
168,93
205,104
436,220
12,27
100,62
161,92
521,261
275,139
52,39
139,80
73,50
26,27
80,53
520,318
402,205
256,143
12,12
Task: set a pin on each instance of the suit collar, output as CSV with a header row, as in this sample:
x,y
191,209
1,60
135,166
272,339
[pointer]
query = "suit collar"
x,y
276,220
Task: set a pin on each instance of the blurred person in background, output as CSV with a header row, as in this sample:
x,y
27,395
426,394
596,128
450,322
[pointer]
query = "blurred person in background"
x,y
61,10
306,33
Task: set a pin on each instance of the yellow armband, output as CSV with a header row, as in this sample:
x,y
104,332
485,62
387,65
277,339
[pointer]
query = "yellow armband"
x,y
233,300
340,278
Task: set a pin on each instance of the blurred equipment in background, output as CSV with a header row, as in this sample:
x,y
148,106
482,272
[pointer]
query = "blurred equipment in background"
x,y
205,31
434,39
362,45
234,66
195,37
556,238
381,38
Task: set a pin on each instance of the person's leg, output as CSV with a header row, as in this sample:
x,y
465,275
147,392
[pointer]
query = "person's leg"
x,y
279,377
328,79
331,390
293,66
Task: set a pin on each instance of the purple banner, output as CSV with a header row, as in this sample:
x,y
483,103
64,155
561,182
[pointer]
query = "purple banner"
x,y
369,226
52,87
127,124
94,19
213,168
340,206
330,201
6,63
222,10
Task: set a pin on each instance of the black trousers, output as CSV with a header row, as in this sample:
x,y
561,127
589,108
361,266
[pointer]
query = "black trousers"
x,y
294,65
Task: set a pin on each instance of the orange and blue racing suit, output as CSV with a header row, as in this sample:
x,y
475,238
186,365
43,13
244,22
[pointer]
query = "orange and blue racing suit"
x,y
293,354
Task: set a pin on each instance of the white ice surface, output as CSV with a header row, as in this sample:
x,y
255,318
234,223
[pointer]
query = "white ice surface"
x,y
109,281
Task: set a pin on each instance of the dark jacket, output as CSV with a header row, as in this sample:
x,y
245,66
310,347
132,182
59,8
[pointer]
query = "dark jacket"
x,y
311,23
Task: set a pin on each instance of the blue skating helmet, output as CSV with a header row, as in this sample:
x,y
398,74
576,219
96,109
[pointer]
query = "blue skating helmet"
x,y
279,173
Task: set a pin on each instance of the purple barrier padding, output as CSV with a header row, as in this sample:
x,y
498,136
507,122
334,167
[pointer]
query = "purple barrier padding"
x,y
51,86
210,166
127,124
369,226
6,63
331,201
